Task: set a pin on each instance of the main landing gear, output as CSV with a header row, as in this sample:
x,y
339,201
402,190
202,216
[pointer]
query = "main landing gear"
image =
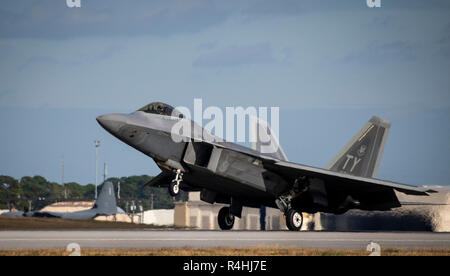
x,y
294,218
225,219
174,186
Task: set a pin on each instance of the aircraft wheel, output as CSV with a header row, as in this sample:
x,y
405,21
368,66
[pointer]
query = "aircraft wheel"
x,y
174,188
294,220
226,220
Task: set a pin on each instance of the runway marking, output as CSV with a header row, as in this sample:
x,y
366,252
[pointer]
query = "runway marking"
x,y
177,239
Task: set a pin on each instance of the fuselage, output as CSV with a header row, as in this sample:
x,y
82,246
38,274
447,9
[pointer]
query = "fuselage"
x,y
153,135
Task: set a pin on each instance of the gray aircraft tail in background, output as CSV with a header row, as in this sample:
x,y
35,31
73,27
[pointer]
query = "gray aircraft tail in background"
x,y
362,154
105,205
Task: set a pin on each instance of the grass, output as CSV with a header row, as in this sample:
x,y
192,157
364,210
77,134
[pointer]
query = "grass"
x,y
253,251
29,223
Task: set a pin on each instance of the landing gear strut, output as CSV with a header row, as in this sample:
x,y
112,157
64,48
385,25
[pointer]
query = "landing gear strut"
x,y
225,219
174,186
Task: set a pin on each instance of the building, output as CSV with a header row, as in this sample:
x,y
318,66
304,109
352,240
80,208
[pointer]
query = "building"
x,y
159,217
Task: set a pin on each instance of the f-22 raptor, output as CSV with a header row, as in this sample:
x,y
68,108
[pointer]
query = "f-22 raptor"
x,y
238,176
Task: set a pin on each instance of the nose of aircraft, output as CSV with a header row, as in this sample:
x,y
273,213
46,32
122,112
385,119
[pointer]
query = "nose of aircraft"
x,y
112,122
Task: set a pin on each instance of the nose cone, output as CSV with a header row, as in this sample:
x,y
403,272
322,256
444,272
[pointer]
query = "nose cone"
x,y
112,122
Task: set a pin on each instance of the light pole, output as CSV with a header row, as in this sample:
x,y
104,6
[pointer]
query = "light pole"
x,y
141,209
104,172
62,179
97,144
151,206
118,190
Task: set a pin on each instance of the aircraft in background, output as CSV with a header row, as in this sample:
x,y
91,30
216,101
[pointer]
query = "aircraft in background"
x,y
235,175
105,205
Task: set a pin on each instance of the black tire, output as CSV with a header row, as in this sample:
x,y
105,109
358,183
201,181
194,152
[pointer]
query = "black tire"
x,y
174,189
294,220
225,219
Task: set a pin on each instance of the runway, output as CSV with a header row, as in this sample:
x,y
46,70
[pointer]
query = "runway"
x,y
153,239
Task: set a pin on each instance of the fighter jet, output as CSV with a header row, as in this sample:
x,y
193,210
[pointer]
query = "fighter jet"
x,y
105,205
238,176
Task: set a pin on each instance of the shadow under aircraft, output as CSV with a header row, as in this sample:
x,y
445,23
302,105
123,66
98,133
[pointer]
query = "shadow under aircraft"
x,y
105,205
238,176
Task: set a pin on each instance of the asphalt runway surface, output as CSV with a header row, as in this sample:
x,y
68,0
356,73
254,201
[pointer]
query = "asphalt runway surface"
x,y
155,239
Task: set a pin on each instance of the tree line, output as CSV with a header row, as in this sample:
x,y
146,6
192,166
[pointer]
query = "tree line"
x,y
38,192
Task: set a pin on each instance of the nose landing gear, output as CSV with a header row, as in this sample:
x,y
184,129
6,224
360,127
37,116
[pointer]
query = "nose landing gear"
x,y
174,186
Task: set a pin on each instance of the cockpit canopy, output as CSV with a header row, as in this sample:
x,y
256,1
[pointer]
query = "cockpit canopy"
x,y
161,109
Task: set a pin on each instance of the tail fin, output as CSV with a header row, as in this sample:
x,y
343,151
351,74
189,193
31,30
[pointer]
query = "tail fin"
x,y
265,140
106,201
362,155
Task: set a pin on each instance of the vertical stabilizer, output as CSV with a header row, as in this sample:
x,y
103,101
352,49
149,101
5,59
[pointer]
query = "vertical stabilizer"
x,y
362,155
265,140
106,202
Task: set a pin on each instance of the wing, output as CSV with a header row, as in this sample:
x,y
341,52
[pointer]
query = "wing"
x,y
336,192
85,214
422,203
40,214
348,181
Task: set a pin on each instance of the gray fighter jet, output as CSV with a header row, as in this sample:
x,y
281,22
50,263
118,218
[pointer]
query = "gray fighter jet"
x,y
232,174
105,205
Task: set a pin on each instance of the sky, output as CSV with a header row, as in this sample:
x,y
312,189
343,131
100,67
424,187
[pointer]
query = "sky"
x,y
328,65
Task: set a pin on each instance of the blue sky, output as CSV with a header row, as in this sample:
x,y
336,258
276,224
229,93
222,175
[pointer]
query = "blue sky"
x,y
328,65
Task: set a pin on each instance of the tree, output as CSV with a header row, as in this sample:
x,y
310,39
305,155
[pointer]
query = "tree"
x,y
9,192
40,192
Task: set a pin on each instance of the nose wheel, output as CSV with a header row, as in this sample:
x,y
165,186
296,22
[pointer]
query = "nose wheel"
x,y
174,186
294,220
225,219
